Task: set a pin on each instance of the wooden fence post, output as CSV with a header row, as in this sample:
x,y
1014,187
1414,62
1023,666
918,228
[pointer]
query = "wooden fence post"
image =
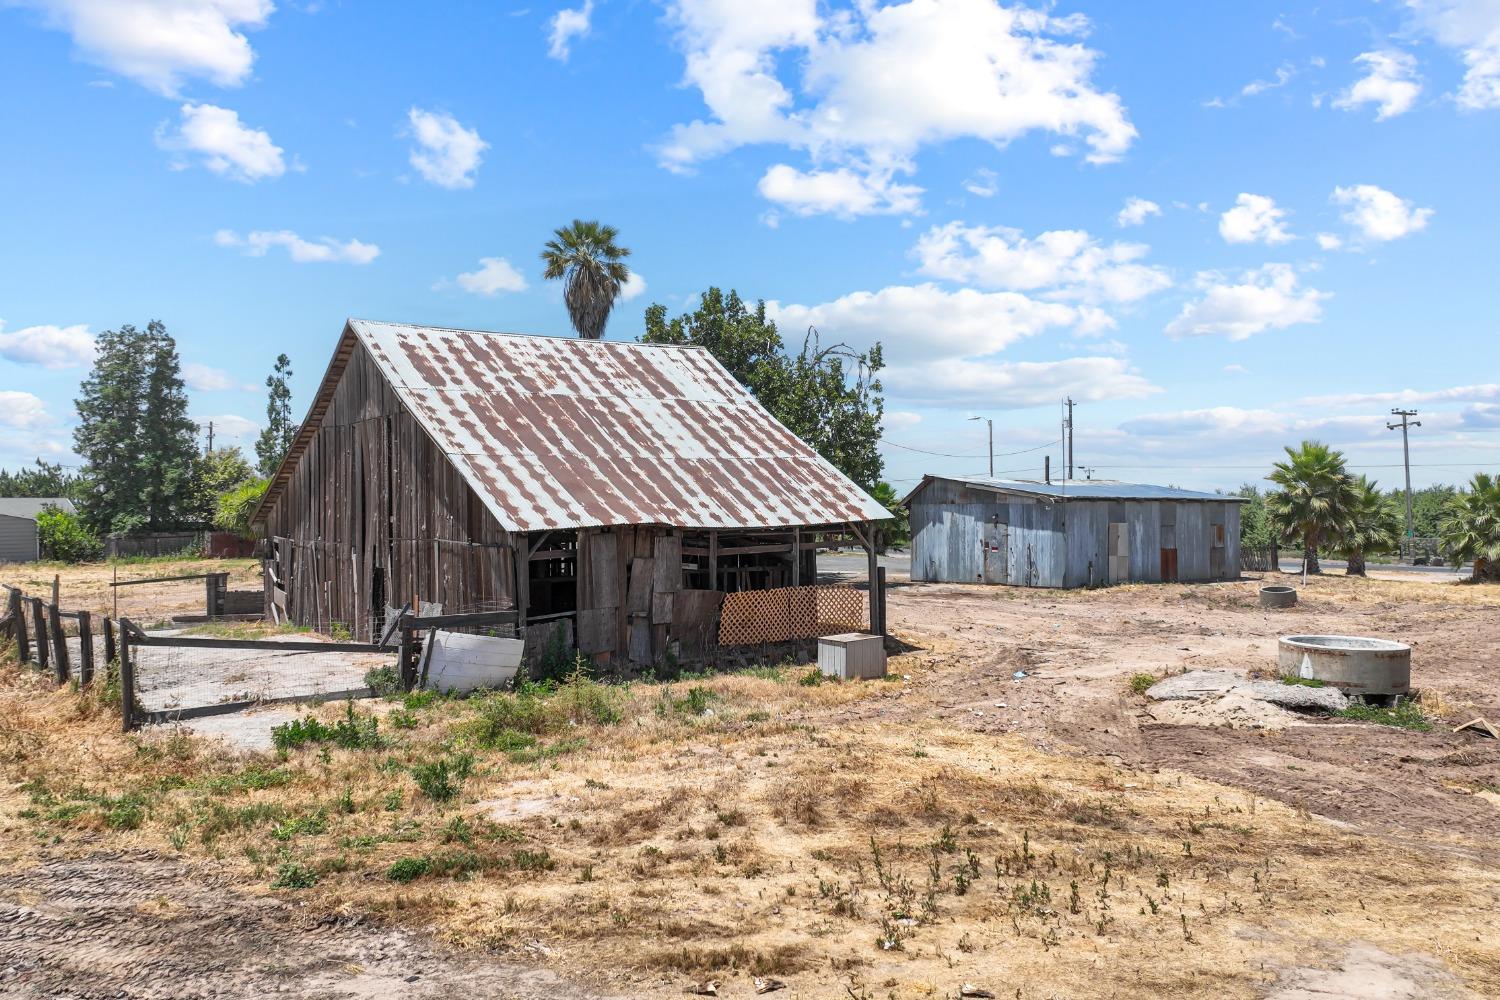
x,y
127,679
39,621
85,648
61,668
18,617
404,661
109,648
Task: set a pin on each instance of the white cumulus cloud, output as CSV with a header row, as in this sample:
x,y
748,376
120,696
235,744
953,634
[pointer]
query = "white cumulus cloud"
x,y
493,276
1390,82
1136,212
866,88
843,192
48,346
204,378
161,43
1064,263
566,25
225,144
325,250
1329,241
1268,297
1009,385
1254,219
446,153
1472,28
634,287
1379,215
22,410
983,183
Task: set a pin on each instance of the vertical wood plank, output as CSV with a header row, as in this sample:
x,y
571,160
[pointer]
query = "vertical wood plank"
x,y
39,623
127,679
85,648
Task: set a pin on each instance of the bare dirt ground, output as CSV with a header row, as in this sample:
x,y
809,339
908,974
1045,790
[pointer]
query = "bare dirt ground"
x,y
1040,836
86,587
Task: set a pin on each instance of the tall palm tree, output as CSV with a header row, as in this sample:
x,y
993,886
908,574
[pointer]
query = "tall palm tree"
x,y
1471,527
1314,500
1372,525
588,260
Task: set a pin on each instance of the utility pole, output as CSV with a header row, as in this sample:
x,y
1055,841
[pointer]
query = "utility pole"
x,y
992,442
1069,425
1405,424
210,439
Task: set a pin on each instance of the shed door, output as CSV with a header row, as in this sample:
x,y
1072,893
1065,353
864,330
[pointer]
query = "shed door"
x,y
1119,552
996,544
1169,553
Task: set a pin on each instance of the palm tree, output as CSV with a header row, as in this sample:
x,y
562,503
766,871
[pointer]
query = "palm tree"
x,y
1314,500
1372,525
1471,527
587,259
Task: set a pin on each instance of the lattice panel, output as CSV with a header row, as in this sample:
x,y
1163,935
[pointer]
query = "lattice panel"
x,y
751,617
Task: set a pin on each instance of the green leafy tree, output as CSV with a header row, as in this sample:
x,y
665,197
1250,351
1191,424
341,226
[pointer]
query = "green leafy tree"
x,y
830,397
895,533
233,509
587,259
272,445
64,537
46,479
1428,507
1372,525
1255,525
1470,529
1313,501
134,434
221,471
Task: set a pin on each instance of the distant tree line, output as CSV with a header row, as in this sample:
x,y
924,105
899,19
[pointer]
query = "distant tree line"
x,y
1320,505
142,469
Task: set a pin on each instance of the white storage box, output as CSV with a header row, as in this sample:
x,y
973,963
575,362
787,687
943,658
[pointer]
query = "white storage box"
x,y
851,656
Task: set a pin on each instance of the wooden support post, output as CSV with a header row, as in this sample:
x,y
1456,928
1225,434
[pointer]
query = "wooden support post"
x,y
796,557
873,577
880,588
110,655
404,661
61,669
713,559
210,598
85,648
39,623
18,618
127,679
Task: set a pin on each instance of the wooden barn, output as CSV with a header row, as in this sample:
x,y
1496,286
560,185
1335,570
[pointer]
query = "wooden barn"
x,y
619,490
1077,533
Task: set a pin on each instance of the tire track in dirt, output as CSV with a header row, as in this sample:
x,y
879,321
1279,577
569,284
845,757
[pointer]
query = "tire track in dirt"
x,y
139,926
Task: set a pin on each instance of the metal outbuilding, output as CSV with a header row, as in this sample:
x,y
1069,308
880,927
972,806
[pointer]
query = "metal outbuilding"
x,y
1073,533
19,541
619,487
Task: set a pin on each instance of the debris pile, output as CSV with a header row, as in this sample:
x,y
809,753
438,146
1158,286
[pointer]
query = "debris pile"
x,y
1224,698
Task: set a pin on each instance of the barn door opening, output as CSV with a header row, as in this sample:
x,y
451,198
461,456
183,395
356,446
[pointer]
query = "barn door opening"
x,y
996,544
1169,553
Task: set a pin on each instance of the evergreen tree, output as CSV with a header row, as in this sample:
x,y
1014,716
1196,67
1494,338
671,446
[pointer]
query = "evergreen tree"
x,y
46,479
109,426
274,441
134,434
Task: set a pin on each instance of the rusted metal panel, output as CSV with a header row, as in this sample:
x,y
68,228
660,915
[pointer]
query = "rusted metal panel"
x,y
559,433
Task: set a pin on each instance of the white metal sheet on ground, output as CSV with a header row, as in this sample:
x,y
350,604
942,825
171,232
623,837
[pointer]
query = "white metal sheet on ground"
x,y
458,663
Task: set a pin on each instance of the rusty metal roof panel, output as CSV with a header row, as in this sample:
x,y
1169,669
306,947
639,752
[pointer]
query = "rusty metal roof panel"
x,y
565,433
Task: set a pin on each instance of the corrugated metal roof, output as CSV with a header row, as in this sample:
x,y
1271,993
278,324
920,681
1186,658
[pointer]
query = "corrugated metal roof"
x,y
565,433
30,507
1083,489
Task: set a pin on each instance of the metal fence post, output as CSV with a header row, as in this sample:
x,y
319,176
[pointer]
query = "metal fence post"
x,y
127,679
39,621
85,648
61,669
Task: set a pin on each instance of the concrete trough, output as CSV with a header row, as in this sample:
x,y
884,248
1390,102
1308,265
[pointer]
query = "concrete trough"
x,y
1358,664
1278,597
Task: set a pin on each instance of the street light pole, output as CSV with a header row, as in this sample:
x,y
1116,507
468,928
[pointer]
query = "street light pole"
x,y
991,424
1405,424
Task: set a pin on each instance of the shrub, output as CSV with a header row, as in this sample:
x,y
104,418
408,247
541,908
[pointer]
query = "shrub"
x,y
232,510
440,780
294,875
63,537
383,680
409,869
539,710
352,732
1141,683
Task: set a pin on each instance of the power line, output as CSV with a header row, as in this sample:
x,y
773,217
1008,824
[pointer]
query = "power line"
x,y
944,454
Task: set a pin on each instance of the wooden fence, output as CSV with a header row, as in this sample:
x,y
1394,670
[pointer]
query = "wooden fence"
x,y
37,628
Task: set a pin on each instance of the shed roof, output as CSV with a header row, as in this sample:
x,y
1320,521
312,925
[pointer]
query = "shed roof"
x,y
1079,489
565,433
30,507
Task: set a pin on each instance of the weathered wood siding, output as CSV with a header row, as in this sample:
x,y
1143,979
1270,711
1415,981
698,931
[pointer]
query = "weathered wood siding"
x,y
372,495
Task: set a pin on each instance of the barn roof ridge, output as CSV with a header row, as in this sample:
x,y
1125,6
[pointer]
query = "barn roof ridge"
x,y
559,337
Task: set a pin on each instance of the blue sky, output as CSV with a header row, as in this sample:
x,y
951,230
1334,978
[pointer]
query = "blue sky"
x,y
1220,227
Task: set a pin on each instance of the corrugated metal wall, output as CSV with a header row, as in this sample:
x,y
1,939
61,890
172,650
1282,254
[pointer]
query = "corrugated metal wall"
x,y
17,539
1067,544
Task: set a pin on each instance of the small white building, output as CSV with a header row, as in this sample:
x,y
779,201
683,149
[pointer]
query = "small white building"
x,y
19,541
